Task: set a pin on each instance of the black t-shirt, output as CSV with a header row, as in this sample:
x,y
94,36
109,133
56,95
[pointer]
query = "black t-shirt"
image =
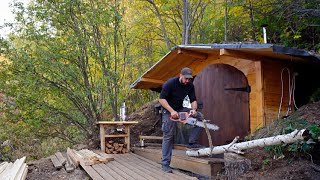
x,y
175,92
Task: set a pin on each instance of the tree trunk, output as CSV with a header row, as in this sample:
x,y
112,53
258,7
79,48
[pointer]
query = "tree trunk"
x,y
252,21
275,140
225,20
161,23
185,22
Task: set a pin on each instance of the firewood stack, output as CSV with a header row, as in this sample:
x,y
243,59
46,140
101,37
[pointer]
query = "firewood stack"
x,y
116,148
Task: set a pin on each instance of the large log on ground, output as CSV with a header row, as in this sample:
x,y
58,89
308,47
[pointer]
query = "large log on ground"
x,y
237,147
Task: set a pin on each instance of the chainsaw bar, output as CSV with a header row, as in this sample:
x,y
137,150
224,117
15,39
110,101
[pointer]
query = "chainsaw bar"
x,y
194,122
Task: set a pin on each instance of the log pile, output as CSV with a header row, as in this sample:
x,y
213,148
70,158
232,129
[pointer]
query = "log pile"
x,y
17,170
116,148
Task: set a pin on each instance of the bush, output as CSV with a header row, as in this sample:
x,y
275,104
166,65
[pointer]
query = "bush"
x,y
315,97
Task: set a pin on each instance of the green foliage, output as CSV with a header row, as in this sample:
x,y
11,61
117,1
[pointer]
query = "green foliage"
x,y
276,150
265,163
315,97
304,146
314,130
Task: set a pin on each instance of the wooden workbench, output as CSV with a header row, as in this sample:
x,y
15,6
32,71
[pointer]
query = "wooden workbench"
x,y
104,124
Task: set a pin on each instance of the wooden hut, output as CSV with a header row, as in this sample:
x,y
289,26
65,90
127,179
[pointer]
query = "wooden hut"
x,y
241,87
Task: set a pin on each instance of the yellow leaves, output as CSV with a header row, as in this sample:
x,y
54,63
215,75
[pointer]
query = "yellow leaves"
x,y
297,36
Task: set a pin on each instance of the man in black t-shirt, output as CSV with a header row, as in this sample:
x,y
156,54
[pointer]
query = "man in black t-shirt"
x,y
171,98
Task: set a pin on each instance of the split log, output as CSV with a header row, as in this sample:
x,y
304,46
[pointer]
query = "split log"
x,y
116,148
237,147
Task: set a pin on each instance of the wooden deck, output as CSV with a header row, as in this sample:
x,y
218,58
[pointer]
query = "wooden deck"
x,y
131,166
202,166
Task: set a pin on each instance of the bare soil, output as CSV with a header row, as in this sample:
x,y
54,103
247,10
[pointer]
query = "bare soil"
x,y
263,165
43,169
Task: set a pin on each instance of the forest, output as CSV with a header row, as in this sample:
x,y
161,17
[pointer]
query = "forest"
x,y
68,63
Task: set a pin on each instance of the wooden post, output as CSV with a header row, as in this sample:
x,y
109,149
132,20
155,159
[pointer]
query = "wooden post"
x,y
127,138
102,138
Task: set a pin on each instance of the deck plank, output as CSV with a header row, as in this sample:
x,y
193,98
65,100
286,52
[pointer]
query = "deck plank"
x,y
151,169
135,166
130,171
102,172
110,171
121,170
92,173
202,166
132,166
159,166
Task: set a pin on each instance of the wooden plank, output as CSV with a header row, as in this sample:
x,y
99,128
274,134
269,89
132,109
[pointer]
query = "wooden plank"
x,y
73,157
25,172
194,54
153,163
136,169
6,170
117,122
109,157
92,173
87,160
154,171
20,173
181,154
259,98
158,170
116,135
127,139
55,161
102,138
69,166
195,165
101,158
110,171
61,158
15,168
127,170
122,170
155,81
153,144
151,137
102,172
3,166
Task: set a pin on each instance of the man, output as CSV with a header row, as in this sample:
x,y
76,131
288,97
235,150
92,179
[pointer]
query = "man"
x,y
171,98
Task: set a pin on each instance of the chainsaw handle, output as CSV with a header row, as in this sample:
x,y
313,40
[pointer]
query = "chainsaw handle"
x,y
174,119
182,116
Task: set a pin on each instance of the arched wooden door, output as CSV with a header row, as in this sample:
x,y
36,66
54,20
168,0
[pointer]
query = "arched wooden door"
x,y
224,93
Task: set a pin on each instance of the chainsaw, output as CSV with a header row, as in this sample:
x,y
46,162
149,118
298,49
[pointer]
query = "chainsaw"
x,y
185,118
